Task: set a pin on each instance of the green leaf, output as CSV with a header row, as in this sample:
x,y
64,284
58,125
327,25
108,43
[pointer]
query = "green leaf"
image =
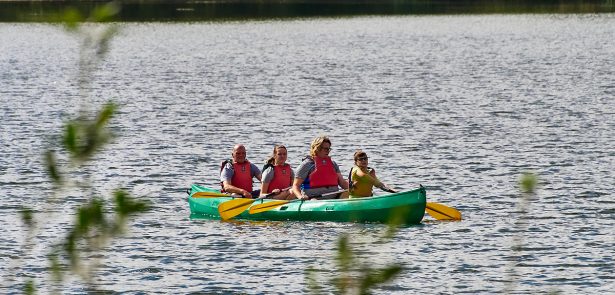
x,y
70,137
344,260
70,247
344,253
312,283
102,47
52,167
387,274
528,182
105,114
83,137
71,18
105,12
29,288
56,268
126,205
376,277
90,215
27,217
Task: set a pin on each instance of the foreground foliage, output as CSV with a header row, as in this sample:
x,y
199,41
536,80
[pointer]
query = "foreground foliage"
x,y
95,222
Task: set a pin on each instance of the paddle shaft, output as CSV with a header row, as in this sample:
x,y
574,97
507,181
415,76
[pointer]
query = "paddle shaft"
x,y
325,195
388,190
209,195
450,213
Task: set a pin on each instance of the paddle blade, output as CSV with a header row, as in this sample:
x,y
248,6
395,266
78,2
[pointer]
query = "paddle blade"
x,y
209,195
232,208
267,206
442,212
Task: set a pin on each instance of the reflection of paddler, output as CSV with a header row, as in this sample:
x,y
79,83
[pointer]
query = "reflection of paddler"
x,y
236,175
318,174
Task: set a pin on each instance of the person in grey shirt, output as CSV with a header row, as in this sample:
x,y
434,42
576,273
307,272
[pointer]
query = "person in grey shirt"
x,y
236,176
318,174
278,176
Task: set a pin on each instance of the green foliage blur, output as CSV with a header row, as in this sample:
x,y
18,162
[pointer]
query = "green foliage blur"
x,y
528,183
96,223
354,275
83,136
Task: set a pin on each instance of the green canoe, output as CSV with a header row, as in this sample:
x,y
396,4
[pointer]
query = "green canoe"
x,y
406,207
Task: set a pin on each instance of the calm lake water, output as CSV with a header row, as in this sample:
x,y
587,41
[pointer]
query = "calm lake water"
x,y
460,104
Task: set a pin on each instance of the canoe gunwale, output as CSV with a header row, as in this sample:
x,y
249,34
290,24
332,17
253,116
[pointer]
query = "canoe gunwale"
x,y
376,197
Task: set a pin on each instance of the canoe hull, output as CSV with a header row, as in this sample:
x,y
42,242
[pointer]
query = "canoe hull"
x,y
406,207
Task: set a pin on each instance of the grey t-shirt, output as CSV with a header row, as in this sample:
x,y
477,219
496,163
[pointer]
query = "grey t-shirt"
x,y
308,166
268,174
305,169
227,172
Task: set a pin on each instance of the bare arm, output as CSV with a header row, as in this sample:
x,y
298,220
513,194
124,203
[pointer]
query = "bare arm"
x,y
379,184
296,189
375,179
229,188
264,188
341,181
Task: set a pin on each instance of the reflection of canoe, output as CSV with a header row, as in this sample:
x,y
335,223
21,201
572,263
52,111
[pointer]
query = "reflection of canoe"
x,y
406,207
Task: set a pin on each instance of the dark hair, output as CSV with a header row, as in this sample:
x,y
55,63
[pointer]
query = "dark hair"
x,y
275,150
358,154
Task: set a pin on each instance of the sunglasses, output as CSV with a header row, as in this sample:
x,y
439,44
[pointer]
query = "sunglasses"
x,y
362,159
325,148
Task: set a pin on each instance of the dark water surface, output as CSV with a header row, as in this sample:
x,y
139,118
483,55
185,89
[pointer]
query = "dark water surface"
x,y
460,104
182,10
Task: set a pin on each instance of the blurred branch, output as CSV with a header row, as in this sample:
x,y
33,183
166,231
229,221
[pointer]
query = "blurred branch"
x,y
527,185
94,225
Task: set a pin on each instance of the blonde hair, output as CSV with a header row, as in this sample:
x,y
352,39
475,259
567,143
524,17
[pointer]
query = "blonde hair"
x,y
317,144
276,147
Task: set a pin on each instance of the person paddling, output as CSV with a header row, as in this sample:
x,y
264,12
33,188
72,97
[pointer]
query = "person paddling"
x,y
318,174
236,175
277,175
362,178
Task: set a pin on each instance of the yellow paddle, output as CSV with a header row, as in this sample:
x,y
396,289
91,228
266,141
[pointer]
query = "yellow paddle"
x,y
209,195
232,208
274,204
270,205
436,210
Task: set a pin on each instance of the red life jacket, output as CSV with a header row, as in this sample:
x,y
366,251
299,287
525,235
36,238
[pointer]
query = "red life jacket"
x,y
242,176
324,173
281,178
